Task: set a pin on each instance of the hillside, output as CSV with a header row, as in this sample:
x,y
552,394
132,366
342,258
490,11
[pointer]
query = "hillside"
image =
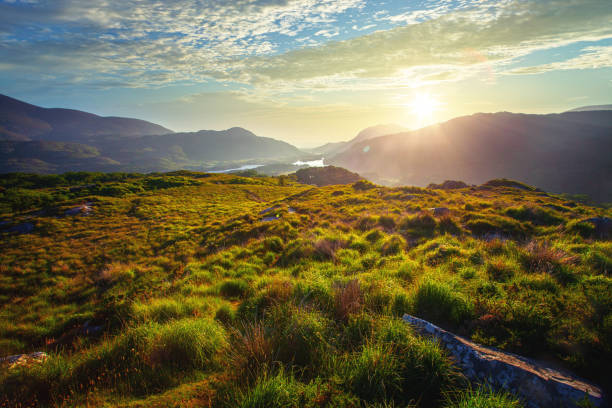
x,y
194,289
35,139
20,121
568,152
365,134
204,146
591,108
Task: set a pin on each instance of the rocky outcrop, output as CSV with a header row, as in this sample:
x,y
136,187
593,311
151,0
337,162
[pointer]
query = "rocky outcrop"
x,y
539,386
20,360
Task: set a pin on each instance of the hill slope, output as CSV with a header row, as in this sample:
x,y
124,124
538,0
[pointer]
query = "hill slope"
x,y
20,121
367,133
569,152
192,289
591,108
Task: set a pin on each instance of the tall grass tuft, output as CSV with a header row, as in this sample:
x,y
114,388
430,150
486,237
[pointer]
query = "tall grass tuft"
x,y
436,301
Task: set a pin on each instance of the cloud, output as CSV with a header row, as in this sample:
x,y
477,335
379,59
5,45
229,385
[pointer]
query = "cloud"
x,y
154,40
464,40
150,43
591,58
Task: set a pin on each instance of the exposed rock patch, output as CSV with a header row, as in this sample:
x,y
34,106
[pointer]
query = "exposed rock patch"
x,y
538,385
20,360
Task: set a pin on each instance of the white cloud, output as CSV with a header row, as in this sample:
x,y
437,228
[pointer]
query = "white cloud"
x,y
154,42
591,58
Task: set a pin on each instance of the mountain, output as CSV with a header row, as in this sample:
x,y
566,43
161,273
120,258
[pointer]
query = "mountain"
x,y
591,108
40,140
569,152
20,121
367,133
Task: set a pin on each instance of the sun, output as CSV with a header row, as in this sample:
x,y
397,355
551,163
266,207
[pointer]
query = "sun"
x,y
423,106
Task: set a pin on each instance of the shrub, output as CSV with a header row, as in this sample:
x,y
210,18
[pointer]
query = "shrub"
x,y
482,397
447,225
164,309
398,367
542,257
500,270
235,288
363,185
392,245
300,337
373,374
252,351
276,391
357,330
187,343
225,315
374,235
347,299
386,222
536,215
422,225
438,302
367,222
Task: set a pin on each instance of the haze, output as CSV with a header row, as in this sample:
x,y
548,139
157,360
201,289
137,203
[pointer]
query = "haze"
x,y
306,72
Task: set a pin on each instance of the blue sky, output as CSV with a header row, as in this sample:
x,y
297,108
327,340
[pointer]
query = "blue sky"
x,y
305,71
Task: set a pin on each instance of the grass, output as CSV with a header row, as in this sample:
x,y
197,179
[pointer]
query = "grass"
x,y
174,292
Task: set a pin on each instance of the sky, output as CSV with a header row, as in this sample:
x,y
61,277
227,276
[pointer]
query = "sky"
x,y
306,71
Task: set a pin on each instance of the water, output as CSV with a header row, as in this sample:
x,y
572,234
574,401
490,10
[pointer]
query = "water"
x,y
311,163
245,167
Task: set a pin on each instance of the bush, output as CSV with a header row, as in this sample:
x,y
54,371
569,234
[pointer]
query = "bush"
x,y
422,225
347,299
373,374
236,288
482,397
396,366
536,215
392,245
276,391
439,303
299,336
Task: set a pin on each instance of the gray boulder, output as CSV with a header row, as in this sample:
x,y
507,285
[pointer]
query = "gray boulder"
x,y
539,386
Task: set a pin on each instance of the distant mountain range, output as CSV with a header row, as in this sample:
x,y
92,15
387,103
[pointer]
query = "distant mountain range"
x,y
591,108
35,139
20,121
367,133
569,152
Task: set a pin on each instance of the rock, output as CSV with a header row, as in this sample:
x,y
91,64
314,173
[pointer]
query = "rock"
x,y
20,360
538,385
267,210
603,226
23,228
272,218
440,211
83,209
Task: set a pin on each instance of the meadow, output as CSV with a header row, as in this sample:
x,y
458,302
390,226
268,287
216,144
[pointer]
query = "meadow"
x,y
190,289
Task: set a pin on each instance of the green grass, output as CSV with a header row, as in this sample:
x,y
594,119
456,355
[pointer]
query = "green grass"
x,y
196,301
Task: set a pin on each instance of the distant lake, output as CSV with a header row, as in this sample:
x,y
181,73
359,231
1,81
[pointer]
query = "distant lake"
x,y
311,163
245,167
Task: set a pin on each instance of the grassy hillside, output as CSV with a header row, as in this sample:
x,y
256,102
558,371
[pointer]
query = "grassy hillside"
x,y
191,289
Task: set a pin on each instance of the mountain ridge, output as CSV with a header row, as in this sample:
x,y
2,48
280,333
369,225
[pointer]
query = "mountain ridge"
x,y
490,145
21,121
